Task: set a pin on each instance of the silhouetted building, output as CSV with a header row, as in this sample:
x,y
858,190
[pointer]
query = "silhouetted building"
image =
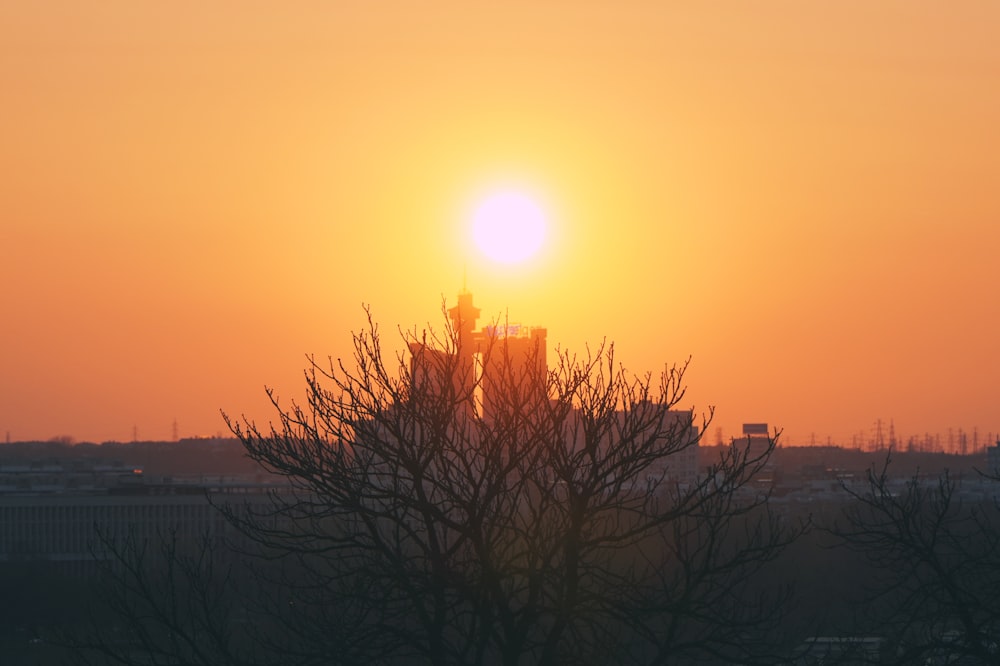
x,y
497,359
502,369
463,320
993,459
58,515
683,466
441,374
756,436
513,366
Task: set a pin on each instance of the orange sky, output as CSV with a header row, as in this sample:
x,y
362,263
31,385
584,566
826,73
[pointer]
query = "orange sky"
x,y
801,196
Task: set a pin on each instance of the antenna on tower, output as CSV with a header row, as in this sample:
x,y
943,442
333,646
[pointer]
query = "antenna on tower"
x,y
465,278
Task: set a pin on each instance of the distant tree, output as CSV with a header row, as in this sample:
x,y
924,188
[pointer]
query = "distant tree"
x,y
165,600
473,506
935,556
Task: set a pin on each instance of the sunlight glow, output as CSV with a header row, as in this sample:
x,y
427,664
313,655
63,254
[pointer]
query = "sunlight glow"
x,y
509,227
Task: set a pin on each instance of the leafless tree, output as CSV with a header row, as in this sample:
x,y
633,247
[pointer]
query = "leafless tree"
x,y
162,600
935,554
463,503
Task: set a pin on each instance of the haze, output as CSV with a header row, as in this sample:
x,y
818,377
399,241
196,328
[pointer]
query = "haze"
x,y
799,196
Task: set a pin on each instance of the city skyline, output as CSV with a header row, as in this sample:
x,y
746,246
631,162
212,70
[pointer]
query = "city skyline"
x,y
796,196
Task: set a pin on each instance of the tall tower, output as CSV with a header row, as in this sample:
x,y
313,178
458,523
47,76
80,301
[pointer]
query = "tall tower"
x,y
483,364
463,320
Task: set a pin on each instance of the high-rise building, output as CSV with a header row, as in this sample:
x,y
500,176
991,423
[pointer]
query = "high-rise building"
x,y
513,363
501,369
485,365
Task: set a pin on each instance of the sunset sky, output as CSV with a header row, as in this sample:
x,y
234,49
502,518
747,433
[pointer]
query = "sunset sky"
x,y
803,197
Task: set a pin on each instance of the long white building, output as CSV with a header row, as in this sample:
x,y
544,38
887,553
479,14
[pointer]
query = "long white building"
x,y
55,514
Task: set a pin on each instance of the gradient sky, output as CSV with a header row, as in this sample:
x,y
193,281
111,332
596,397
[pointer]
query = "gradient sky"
x,y
801,196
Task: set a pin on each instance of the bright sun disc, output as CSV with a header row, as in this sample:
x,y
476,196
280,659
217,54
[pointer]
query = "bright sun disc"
x,y
508,227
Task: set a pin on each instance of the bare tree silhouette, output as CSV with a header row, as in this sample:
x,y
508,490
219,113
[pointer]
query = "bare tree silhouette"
x,y
935,595
464,504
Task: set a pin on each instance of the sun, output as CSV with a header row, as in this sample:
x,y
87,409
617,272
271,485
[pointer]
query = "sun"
x,y
508,227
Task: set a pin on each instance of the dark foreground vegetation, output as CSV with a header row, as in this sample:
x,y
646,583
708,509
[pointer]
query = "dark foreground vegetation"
x,y
493,508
